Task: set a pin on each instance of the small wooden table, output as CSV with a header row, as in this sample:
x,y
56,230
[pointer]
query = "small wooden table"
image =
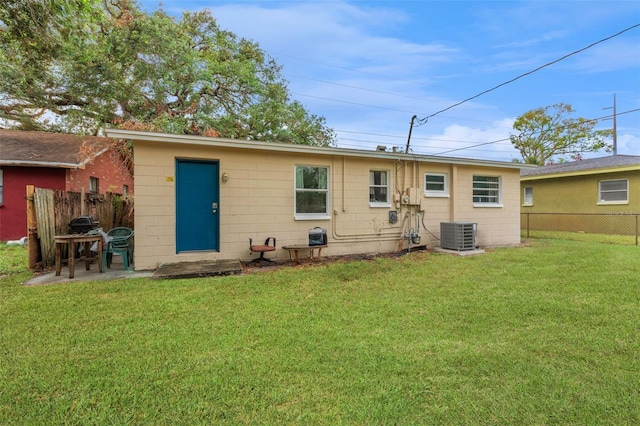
x,y
294,250
71,240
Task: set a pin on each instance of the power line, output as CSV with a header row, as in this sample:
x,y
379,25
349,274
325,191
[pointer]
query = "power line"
x,y
425,119
357,143
353,70
380,107
403,136
507,139
360,143
606,117
476,145
472,146
349,102
366,89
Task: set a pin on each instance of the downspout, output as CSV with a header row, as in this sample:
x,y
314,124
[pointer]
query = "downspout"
x,y
343,179
452,192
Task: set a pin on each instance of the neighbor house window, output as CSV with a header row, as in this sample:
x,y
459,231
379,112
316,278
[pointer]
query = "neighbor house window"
x,y
613,191
1,186
312,192
486,190
93,185
527,199
436,185
379,188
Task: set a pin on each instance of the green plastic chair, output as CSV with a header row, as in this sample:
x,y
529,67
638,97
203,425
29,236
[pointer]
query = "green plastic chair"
x,y
118,241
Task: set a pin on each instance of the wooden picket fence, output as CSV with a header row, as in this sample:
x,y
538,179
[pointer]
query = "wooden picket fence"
x,y
50,211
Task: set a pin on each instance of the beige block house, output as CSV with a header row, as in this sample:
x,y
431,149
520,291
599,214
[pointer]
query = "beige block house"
x,y
201,198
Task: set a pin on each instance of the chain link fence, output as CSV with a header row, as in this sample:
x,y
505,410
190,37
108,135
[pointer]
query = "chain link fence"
x,y
614,227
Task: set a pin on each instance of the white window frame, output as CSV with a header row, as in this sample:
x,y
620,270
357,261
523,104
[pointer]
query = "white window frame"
x,y
387,186
437,193
497,195
527,199
311,216
608,202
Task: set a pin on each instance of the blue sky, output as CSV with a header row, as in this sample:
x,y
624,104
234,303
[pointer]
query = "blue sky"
x,y
369,66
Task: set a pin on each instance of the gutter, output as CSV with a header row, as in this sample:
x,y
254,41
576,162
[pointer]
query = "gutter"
x,y
42,164
303,149
630,168
57,165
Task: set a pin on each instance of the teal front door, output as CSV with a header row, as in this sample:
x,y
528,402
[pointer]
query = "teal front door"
x,y
197,206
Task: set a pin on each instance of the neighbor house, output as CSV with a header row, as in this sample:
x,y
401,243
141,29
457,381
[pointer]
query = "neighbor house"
x,y
579,189
202,198
54,161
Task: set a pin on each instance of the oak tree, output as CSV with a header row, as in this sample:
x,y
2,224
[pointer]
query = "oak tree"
x,y
79,65
549,134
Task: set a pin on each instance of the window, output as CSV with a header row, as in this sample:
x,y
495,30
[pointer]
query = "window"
x,y
436,185
125,190
527,199
379,188
613,191
312,192
93,185
486,190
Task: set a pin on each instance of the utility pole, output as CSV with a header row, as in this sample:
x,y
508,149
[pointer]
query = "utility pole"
x,y
615,127
615,130
406,150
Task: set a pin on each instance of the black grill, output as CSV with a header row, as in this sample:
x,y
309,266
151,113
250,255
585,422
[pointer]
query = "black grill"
x,y
82,224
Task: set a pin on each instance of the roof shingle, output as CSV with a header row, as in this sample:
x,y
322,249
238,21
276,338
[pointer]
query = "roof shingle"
x,y
611,161
23,148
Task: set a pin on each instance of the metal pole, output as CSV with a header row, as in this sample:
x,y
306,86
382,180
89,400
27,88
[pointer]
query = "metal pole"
x,y
406,150
615,130
615,127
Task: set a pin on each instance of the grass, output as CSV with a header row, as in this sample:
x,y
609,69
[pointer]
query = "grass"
x,y
543,334
13,259
629,240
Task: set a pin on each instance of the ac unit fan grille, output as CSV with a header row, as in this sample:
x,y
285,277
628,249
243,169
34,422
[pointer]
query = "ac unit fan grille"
x,y
458,235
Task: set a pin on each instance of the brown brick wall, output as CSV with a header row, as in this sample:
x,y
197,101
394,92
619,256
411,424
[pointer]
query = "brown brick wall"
x,y
110,171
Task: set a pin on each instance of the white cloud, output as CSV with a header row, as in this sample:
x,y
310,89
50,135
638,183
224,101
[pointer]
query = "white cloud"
x,y
628,144
487,142
545,38
615,55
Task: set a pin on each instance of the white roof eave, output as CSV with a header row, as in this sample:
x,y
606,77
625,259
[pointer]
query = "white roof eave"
x,y
22,163
304,149
586,172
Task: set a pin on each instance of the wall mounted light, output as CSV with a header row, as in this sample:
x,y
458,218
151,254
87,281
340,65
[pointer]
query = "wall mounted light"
x,y
225,177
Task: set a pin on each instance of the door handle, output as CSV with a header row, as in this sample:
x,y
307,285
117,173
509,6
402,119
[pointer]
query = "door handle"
x,y
214,208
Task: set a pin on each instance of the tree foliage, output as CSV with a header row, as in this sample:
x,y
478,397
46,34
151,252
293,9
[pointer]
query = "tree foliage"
x,y
547,134
80,65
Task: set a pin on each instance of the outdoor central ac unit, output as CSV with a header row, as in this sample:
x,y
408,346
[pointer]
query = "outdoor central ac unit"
x,y
458,235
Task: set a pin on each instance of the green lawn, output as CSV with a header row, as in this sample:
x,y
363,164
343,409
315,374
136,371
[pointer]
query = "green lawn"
x,y
630,240
546,334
